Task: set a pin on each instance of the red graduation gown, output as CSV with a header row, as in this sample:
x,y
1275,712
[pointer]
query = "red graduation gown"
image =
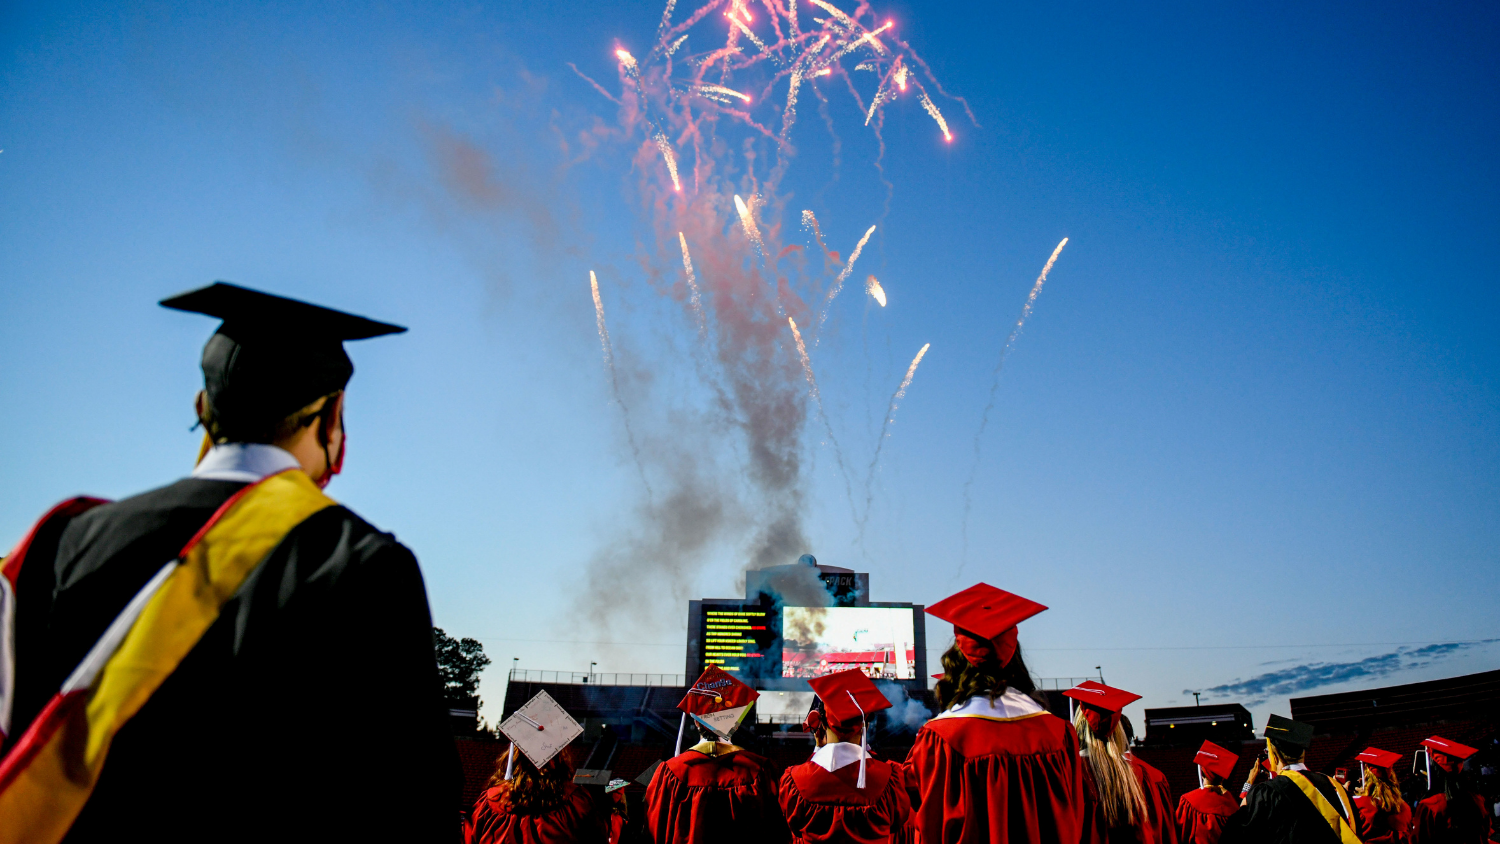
x,y
1158,827
1202,815
1017,780
824,807
723,799
1382,827
1434,821
572,820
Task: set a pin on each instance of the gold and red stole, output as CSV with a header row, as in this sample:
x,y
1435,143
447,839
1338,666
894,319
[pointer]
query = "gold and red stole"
x,y
46,777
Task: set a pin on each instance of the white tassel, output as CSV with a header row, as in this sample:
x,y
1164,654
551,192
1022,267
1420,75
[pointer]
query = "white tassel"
x,y
1361,776
864,740
680,725
1200,775
1427,755
510,761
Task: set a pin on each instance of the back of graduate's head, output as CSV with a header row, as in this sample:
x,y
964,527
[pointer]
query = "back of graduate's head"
x,y
1102,736
1288,753
963,679
531,791
276,367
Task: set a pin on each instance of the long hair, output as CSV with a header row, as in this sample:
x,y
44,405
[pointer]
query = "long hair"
x,y
1120,793
529,791
1380,786
962,681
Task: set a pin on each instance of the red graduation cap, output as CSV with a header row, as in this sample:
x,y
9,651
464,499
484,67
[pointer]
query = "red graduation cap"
x,y
1449,748
717,700
1102,696
716,691
847,695
1102,705
984,621
1216,760
1378,758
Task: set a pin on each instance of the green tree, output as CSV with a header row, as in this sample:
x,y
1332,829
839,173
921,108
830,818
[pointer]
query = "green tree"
x,y
459,663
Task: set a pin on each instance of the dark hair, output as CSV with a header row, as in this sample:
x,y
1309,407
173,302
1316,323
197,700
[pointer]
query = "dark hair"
x,y
233,430
962,681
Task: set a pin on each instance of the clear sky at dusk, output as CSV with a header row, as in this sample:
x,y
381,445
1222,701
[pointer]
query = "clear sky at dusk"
x,y
1249,441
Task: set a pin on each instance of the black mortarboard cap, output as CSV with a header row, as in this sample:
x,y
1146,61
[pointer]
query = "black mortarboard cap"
x,y
272,355
1287,731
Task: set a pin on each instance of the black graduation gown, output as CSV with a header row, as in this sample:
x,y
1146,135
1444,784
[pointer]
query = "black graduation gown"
x,y
1277,812
310,710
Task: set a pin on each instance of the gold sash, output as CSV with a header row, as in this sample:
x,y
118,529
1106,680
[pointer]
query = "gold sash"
x,y
49,773
1340,826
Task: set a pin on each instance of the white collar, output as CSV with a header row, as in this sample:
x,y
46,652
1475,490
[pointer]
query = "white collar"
x,y
1012,704
834,755
1295,766
244,462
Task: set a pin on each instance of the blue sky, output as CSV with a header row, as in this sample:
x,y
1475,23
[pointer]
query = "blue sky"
x,y
1248,436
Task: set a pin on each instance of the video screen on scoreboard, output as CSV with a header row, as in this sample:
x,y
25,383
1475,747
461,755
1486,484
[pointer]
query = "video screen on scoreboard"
x,y
880,641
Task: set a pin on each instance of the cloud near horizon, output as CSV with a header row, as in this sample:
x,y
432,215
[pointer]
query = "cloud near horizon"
x,y
1313,675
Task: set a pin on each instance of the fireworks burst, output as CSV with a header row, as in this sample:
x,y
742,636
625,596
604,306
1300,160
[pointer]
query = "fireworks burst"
x,y
875,290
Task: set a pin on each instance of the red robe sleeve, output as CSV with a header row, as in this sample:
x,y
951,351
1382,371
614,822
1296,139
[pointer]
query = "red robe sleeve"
x,y
823,807
573,820
714,800
1203,814
991,781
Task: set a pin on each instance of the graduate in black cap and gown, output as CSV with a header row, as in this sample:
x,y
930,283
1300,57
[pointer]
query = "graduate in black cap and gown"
x,y
233,656
1296,806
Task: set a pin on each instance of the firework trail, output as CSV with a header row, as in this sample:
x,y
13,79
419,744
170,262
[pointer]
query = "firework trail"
x,y
721,91
842,18
984,418
812,384
666,154
614,383
748,220
692,280
932,109
838,283
890,418
875,290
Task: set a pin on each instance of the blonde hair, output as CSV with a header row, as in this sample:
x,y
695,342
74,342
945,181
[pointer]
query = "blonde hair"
x,y
1120,793
1380,786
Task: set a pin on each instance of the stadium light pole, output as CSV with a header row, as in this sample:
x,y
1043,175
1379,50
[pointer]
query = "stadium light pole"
x,y
1195,699
591,671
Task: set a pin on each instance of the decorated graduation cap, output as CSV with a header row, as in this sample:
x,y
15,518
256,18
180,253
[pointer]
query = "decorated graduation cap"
x,y
1216,760
540,729
718,701
846,696
1288,732
984,621
1102,705
1378,758
1454,752
271,356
